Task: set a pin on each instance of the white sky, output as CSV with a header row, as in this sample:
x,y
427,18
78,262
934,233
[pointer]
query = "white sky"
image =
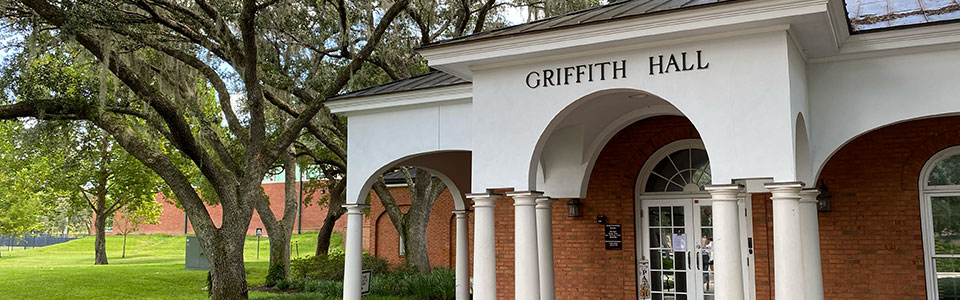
x,y
515,15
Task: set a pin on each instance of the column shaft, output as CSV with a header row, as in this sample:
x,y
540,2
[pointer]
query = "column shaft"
x,y
545,247
787,241
353,261
484,247
727,252
463,259
812,275
526,264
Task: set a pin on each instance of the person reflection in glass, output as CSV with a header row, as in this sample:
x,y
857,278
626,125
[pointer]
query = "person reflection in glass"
x,y
706,258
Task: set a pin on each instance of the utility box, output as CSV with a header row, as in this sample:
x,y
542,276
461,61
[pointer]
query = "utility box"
x,y
196,259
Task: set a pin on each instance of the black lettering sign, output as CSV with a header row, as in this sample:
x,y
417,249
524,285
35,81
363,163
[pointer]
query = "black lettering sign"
x,y
659,66
577,74
613,237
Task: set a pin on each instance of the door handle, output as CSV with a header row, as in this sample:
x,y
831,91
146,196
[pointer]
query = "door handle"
x,y
698,262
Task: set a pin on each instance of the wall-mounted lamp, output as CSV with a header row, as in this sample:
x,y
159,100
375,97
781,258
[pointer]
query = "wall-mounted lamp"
x,y
573,208
823,199
601,219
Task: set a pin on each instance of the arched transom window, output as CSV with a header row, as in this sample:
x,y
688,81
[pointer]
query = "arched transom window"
x,y
940,208
684,170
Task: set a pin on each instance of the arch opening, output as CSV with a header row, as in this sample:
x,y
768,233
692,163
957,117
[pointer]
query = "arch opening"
x,y
802,152
451,167
569,146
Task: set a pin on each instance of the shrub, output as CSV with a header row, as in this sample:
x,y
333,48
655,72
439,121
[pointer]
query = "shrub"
x,y
328,288
330,267
283,285
437,285
275,275
377,265
320,267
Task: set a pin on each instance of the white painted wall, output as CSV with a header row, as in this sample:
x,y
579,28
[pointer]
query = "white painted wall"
x,y
378,139
740,105
852,97
799,106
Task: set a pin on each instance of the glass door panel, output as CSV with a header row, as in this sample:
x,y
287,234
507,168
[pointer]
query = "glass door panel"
x,y
666,244
706,281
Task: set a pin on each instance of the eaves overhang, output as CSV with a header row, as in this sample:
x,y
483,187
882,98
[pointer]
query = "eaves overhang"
x,y
462,92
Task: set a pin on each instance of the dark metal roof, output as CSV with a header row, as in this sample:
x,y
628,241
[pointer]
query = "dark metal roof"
x,y
872,15
609,12
431,79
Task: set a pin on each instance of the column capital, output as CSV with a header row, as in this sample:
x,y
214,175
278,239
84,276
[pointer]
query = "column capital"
x,y
545,202
355,208
484,199
809,195
785,190
525,198
724,192
525,194
461,213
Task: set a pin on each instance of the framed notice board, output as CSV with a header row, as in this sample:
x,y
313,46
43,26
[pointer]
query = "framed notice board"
x,y
613,237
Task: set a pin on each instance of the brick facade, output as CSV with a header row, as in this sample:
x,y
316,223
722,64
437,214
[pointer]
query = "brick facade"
x,y
381,238
871,242
171,220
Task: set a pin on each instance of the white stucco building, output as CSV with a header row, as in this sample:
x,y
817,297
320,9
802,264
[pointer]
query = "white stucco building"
x,y
704,131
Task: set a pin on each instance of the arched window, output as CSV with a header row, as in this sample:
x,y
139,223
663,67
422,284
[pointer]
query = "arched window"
x,y
684,170
940,209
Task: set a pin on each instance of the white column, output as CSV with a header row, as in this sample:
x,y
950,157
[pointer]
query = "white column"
x,y
545,246
526,265
353,262
812,275
727,252
787,241
463,259
484,247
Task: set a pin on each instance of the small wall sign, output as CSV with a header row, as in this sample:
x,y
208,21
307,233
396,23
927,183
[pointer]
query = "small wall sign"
x,y
679,242
365,281
613,237
643,268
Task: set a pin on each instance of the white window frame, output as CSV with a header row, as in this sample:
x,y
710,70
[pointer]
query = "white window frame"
x,y
926,193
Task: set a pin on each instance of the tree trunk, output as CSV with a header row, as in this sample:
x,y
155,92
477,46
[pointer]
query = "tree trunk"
x,y
280,231
326,231
124,255
280,250
228,276
417,252
100,245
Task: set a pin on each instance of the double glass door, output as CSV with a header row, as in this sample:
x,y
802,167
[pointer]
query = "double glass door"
x,y
678,243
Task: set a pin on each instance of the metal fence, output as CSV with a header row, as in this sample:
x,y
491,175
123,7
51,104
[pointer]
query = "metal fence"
x,y
33,241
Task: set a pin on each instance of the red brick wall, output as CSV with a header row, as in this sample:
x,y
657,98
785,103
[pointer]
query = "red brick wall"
x,y
871,244
584,269
171,220
381,239
763,245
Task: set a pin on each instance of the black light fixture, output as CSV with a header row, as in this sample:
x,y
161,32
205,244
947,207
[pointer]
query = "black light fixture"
x,y
823,199
601,219
573,208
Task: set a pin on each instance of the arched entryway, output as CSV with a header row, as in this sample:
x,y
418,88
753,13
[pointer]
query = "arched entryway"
x,y
877,235
675,214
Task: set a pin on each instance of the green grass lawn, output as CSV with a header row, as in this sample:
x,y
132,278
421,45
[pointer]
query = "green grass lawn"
x,y
153,269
